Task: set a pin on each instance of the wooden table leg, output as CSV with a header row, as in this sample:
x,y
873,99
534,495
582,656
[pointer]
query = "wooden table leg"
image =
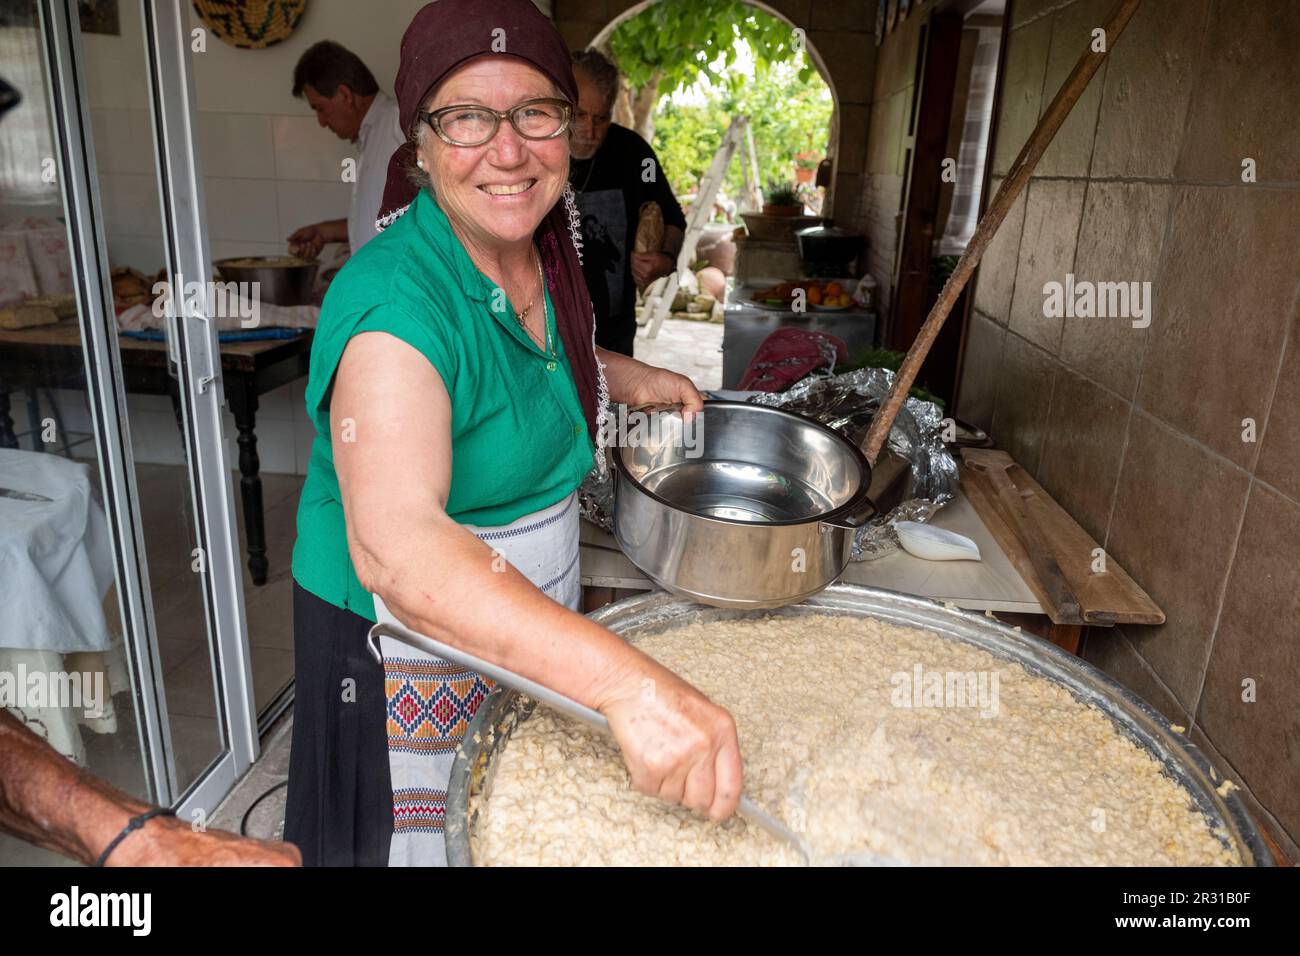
x,y
1064,636
7,437
243,405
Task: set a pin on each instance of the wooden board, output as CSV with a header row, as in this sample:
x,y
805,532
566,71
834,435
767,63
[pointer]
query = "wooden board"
x,y
1049,549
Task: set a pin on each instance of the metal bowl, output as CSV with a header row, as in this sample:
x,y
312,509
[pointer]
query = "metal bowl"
x,y
759,510
489,733
282,280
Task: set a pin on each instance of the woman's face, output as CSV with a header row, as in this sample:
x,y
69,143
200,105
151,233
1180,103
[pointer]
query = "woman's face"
x,y
495,194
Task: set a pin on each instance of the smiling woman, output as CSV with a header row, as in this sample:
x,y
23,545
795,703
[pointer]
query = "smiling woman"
x,y
457,396
495,197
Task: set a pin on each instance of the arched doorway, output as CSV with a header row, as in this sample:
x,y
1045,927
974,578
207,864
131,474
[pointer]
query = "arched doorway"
x,y
584,33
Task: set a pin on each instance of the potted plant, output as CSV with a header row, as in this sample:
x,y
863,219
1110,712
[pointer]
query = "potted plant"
x,y
782,200
805,167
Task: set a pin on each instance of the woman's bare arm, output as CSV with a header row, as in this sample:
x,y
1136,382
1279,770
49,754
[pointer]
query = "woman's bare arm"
x,y
390,417
633,382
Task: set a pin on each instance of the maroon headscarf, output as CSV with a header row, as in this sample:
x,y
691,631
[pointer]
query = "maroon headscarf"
x,y
445,35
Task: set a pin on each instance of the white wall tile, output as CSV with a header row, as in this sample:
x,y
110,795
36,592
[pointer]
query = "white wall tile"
x,y
72,409
276,404
123,141
139,252
304,203
230,248
130,204
115,66
275,446
155,439
115,82
306,150
229,79
236,145
241,209
138,403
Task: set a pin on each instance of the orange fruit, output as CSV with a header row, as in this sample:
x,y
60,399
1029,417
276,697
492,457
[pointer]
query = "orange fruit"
x,y
834,288
814,295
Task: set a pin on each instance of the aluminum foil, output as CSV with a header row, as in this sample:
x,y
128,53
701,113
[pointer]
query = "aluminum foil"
x,y
847,403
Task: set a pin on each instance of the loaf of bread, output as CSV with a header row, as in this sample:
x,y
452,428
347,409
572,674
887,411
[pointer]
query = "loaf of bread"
x,y
649,229
27,316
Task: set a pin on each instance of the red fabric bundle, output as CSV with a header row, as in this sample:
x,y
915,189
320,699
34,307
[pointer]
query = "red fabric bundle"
x,y
788,355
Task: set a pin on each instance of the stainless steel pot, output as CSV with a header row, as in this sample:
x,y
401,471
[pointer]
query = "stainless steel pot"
x,y
756,508
1225,813
282,279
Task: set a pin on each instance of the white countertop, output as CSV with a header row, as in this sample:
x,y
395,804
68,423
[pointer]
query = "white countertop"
x,y
990,584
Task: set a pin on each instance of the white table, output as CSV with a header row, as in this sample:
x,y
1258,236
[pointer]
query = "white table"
x,y
56,567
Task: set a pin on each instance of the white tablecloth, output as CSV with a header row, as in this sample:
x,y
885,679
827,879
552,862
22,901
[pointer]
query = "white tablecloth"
x,y
56,557
56,565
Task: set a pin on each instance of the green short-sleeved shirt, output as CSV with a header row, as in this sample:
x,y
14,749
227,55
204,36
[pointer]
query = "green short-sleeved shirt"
x,y
519,439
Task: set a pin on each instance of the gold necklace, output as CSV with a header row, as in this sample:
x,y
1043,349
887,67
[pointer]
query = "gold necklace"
x,y
546,344
520,316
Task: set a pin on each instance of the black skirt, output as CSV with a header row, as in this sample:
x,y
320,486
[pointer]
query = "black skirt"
x,y
339,809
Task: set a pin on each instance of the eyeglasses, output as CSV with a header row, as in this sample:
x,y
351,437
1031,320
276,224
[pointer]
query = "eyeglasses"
x,y
471,125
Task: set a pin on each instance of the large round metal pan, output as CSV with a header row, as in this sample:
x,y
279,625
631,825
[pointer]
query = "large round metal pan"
x,y
656,611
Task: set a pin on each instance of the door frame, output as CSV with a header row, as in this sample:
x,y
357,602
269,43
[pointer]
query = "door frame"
x,y
931,106
193,346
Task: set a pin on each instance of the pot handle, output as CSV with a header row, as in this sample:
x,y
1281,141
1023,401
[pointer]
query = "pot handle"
x,y
863,512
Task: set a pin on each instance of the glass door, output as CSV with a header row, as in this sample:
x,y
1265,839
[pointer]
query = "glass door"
x,y
58,506
113,462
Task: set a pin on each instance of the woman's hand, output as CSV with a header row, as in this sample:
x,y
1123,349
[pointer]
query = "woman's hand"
x,y
677,744
635,384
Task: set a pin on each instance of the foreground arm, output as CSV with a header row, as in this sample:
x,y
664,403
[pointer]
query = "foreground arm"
x,y
439,579
635,383
47,800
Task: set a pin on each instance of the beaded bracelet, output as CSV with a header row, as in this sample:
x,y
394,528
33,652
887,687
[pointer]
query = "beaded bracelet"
x,y
134,824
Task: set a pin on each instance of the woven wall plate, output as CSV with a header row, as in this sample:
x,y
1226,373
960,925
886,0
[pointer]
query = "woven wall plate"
x,y
250,24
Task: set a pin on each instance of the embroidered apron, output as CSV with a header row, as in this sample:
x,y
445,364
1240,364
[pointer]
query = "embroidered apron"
x,y
431,702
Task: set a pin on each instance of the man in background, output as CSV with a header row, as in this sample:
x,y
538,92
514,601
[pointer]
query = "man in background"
x,y
346,99
613,171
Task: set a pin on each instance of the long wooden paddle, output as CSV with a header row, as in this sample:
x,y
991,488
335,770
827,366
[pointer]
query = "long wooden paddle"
x,y
1012,186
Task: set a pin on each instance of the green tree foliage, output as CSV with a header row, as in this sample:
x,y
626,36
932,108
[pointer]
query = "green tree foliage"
x,y
686,42
683,39
789,115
